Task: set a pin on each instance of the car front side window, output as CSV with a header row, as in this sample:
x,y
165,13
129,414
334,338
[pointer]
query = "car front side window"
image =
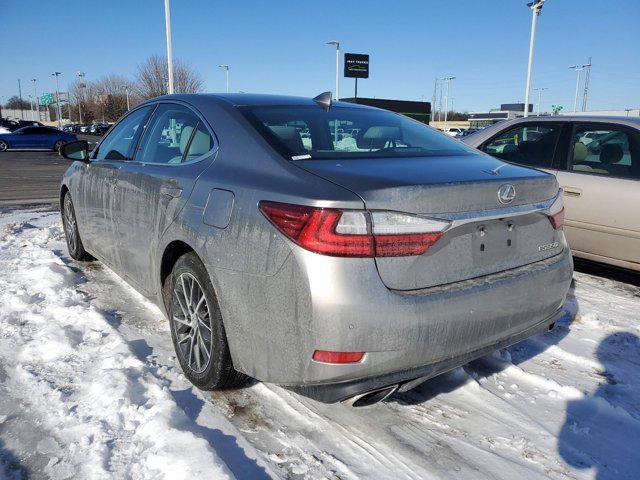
x,y
609,150
532,144
119,144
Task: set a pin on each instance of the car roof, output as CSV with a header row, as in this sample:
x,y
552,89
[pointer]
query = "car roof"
x,y
250,99
633,121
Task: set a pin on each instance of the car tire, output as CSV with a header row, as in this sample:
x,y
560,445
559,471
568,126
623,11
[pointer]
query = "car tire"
x,y
58,145
197,329
71,233
4,146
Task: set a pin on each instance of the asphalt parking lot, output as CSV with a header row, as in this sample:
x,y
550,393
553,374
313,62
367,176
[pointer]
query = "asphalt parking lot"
x,y
32,176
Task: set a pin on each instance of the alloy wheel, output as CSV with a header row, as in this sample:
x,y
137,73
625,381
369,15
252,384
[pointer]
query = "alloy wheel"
x,y
192,322
69,219
3,146
58,145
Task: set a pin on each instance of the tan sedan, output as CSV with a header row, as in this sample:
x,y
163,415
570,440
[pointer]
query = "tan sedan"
x,y
597,163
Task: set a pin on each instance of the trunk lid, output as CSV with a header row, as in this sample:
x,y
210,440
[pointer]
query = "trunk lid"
x,y
453,187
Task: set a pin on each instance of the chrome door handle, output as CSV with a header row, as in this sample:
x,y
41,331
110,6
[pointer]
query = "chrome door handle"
x,y
174,192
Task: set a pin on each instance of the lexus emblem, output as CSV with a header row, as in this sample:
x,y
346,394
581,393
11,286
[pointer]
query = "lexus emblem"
x,y
506,193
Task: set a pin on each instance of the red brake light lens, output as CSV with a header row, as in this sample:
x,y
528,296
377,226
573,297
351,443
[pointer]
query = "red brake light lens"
x,y
337,357
321,230
557,219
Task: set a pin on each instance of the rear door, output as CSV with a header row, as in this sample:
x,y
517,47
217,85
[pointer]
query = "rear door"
x,y
176,148
601,180
23,138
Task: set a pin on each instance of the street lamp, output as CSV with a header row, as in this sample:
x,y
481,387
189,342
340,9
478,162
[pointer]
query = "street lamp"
x,y
81,76
578,69
58,109
126,91
337,44
539,90
167,20
536,8
35,95
226,71
446,98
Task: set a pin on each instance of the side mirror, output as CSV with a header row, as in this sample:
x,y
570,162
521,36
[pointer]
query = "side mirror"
x,y
78,150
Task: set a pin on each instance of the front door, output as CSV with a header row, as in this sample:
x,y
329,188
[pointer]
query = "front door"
x,y
100,199
176,148
601,181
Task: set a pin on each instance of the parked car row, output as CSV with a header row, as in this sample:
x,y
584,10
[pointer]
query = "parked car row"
x,y
39,137
91,129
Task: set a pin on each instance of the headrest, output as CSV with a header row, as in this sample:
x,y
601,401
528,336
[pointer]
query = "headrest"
x,y
610,153
580,152
290,136
185,135
382,133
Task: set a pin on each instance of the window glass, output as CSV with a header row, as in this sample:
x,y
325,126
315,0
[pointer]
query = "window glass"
x,y
605,150
175,135
308,131
118,145
531,145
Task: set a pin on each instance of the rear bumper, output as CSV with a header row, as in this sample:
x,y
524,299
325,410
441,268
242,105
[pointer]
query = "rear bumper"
x,y
275,323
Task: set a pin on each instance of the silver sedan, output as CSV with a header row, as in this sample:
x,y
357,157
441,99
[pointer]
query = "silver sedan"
x,y
341,250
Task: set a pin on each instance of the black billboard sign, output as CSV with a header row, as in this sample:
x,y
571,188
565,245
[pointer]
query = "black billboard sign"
x,y
356,65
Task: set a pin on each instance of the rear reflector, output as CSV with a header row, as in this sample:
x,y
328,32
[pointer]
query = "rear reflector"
x,y
557,219
337,357
354,233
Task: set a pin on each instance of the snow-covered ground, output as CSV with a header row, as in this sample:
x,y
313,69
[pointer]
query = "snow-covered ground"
x,y
90,388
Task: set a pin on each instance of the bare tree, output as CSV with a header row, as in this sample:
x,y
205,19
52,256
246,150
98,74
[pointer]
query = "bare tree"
x,y
152,78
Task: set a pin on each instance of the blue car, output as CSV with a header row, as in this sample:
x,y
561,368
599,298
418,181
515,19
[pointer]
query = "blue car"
x,y
46,138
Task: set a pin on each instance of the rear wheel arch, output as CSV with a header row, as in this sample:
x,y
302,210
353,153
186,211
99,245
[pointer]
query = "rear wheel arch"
x,y
63,191
172,252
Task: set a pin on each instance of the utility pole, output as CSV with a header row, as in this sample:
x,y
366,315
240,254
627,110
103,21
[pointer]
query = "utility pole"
x,y
37,102
536,8
226,71
587,74
578,69
20,96
167,20
126,91
539,90
81,76
58,109
446,98
433,99
440,103
337,44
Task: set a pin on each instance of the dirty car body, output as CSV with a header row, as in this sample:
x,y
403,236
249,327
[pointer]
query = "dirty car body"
x,y
350,249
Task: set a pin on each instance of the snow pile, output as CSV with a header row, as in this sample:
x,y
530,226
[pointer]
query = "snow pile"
x,y
99,412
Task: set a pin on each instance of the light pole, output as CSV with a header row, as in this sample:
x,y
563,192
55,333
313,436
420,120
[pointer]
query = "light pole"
x,y
58,109
126,91
446,98
539,90
167,20
226,71
20,96
337,44
35,95
578,69
81,76
536,7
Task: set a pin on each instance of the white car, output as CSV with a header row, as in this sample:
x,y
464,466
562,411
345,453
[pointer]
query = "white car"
x,y
4,130
453,131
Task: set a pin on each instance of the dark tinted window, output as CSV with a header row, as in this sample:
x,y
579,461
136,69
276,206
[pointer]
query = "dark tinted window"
x,y
609,150
301,132
532,145
175,135
118,145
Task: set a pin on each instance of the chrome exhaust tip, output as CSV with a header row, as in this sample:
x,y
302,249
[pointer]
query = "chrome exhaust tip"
x,y
371,397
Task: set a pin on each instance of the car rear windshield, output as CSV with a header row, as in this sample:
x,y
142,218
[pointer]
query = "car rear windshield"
x,y
309,132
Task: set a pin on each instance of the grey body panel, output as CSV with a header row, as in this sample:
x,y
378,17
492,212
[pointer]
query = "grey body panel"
x,y
280,302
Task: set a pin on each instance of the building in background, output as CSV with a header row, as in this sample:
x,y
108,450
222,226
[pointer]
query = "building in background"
x,y
420,111
507,111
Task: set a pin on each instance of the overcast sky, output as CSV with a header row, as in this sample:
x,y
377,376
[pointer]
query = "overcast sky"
x,y
279,46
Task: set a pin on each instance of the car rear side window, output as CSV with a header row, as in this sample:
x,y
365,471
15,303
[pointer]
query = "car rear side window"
x,y
175,135
609,150
533,145
119,144
301,132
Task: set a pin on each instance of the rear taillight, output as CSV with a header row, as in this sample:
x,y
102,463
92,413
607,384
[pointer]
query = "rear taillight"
x,y
557,219
556,213
354,233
